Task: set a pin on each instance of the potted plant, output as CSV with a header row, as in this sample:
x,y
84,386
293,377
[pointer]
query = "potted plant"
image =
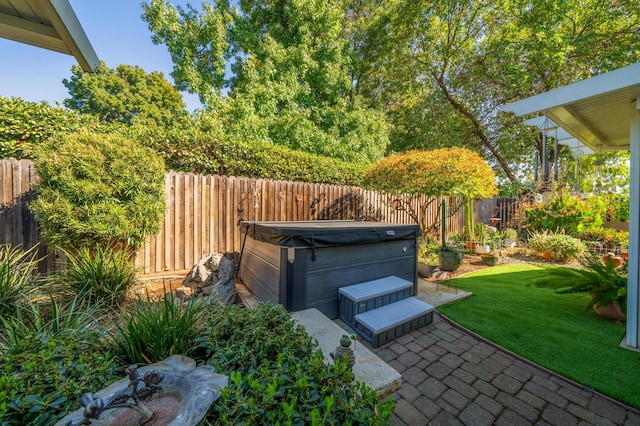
x,y
490,259
449,257
427,257
482,232
509,236
606,285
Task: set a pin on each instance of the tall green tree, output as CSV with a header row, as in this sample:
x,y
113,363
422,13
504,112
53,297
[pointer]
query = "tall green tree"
x,y
124,95
276,71
442,69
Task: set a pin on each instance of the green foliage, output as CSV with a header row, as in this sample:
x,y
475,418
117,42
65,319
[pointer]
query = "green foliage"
x,y
292,75
44,380
154,330
557,246
563,213
609,238
47,317
203,147
124,95
617,207
603,281
16,276
408,177
278,376
445,171
102,275
24,125
441,69
98,190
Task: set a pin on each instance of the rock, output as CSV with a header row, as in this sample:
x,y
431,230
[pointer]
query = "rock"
x,y
213,276
183,293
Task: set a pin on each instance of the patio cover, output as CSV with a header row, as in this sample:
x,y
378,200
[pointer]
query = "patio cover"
x,y
50,24
603,112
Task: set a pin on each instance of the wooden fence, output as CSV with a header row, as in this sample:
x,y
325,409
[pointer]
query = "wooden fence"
x,y
203,213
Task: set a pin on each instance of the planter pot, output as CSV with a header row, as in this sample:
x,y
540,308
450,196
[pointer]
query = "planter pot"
x,y
449,260
425,270
489,259
617,260
611,310
546,255
471,245
510,244
625,255
482,249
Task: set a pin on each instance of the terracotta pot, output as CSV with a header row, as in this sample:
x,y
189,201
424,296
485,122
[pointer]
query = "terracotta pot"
x,y
617,260
611,310
546,255
625,255
471,245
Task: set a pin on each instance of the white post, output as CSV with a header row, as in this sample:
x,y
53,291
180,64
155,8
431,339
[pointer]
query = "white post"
x,y
633,293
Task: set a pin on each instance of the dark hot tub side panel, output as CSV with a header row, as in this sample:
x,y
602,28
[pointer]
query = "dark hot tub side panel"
x,y
290,277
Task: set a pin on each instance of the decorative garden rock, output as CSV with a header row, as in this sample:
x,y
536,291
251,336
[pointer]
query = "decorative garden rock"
x,y
173,392
213,276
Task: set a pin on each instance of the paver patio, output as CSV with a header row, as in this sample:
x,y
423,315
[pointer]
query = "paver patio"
x,y
452,377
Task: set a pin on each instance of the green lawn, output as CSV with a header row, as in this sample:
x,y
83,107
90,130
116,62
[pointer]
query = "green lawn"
x,y
516,307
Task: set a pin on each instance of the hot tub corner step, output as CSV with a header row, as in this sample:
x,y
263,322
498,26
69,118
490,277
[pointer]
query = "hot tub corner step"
x,y
367,296
389,322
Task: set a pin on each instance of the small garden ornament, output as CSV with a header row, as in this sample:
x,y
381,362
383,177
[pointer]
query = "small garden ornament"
x,y
344,349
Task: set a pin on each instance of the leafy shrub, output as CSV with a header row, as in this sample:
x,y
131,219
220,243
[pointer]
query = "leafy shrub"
x,y
278,376
98,189
47,318
608,237
617,207
206,149
44,380
24,125
152,331
565,214
102,275
16,269
557,246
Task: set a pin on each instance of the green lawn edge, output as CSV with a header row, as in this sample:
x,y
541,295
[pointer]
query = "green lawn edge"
x,y
516,307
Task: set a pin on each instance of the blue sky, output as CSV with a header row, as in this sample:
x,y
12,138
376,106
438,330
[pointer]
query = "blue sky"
x,y
117,34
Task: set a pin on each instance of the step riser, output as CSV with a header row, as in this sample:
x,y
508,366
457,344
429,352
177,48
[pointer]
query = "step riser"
x,y
380,338
349,309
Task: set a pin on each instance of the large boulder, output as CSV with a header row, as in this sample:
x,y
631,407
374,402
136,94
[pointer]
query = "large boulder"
x,y
213,276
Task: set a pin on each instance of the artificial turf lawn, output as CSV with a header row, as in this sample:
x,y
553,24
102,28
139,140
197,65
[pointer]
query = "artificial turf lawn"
x,y
517,307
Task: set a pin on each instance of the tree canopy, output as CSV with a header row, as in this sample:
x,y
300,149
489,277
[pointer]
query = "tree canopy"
x,y
124,95
439,172
440,70
285,68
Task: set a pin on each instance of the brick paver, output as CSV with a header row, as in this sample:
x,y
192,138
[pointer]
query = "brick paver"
x,y
453,378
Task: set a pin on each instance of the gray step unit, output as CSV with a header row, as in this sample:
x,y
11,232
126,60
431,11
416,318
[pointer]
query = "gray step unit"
x,y
359,298
389,322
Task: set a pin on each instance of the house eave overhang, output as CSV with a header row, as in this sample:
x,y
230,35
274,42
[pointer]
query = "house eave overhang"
x,y
49,24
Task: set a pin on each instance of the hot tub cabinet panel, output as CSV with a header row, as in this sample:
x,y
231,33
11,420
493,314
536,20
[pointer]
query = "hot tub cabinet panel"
x,y
303,277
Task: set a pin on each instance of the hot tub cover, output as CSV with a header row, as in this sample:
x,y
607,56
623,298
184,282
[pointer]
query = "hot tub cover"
x,y
324,233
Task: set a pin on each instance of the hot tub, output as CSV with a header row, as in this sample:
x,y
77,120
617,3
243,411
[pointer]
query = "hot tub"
x,y
302,265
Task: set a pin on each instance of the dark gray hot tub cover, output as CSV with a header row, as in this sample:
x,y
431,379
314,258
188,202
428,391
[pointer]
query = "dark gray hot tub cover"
x,y
324,233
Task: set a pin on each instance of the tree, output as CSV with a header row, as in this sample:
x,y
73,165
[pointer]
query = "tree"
x,y
287,68
415,179
442,69
98,190
124,95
